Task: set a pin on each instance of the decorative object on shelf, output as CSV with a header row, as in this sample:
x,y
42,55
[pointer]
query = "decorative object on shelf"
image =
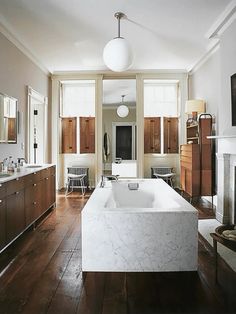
x,y
194,107
117,54
122,110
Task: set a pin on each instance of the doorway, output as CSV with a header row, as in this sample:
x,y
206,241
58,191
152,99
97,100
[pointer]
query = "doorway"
x,y
37,127
123,140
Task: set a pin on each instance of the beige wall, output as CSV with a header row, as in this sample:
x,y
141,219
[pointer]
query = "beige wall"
x,y
17,71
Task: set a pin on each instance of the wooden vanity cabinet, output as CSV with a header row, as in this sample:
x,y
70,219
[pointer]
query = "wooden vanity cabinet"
x,y
33,197
48,188
39,193
15,211
2,217
23,200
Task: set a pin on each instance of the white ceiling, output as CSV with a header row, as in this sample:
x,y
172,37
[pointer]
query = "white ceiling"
x,y
69,35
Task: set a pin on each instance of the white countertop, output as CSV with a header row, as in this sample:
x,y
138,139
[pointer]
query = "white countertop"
x,y
24,171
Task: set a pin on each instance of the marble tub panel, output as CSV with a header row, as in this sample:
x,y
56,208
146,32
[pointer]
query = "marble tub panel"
x,y
145,241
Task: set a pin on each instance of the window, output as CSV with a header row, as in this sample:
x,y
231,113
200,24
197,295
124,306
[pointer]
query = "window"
x,y
78,98
161,101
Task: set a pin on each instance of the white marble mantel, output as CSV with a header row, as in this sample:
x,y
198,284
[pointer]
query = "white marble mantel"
x,y
226,187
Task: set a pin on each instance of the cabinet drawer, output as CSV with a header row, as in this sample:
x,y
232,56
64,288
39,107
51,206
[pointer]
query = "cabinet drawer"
x,y
14,185
186,153
45,173
187,147
186,158
2,190
32,178
187,165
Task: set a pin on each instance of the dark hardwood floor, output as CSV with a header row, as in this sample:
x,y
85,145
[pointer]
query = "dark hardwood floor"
x,y
41,273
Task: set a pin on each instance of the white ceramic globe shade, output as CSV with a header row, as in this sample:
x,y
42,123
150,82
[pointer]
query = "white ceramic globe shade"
x,y
122,111
117,54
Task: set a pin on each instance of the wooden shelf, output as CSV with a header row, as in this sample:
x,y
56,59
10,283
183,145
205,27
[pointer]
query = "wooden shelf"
x,y
192,126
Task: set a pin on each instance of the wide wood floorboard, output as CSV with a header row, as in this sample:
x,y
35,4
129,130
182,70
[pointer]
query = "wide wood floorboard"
x,y
41,273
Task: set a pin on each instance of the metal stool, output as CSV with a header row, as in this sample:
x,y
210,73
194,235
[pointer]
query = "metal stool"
x,y
166,177
71,178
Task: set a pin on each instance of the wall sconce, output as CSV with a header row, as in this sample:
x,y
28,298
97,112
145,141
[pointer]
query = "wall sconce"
x,y
117,54
194,107
122,110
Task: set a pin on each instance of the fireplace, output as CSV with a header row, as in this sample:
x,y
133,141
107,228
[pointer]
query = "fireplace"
x,y
226,194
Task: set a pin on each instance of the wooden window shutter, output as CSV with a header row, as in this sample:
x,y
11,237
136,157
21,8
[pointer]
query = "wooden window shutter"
x,y
68,137
87,135
171,135
152,135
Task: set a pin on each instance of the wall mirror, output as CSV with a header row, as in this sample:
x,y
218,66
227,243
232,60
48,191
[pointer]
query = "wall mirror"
x,y
8,119
119,127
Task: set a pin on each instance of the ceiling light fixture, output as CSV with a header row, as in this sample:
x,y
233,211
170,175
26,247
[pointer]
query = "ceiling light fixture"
x,y
122,110
117,54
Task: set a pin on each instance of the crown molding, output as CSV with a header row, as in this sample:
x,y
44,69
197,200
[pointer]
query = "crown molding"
x,y
205,57
223,21
215,31
5,30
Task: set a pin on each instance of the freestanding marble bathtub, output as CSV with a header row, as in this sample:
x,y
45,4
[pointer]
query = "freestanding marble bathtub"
x,y
149,229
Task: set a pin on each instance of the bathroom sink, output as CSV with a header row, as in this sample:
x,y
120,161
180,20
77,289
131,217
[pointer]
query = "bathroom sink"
x,y
33,166
4,175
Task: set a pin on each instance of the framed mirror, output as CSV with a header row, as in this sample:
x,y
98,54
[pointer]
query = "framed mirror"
x,y
8,119
119,127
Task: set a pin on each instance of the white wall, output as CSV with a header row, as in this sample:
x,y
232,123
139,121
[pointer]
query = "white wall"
x,y
228,67
211,82
17,71
205,84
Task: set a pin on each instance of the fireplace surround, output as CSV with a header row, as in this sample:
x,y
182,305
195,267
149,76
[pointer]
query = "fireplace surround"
x,y
226,194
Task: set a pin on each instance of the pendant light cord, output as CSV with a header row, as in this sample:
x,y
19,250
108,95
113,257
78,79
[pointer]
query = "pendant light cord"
x,y
119,15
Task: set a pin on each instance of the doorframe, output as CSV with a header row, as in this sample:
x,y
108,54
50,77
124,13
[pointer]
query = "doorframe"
x,y
114,125
33,94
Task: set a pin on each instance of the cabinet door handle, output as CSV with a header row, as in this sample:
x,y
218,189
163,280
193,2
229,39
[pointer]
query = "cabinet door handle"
x,y
46,178
34,184
0,185
17,179
35,172
0,201
34,203
17,192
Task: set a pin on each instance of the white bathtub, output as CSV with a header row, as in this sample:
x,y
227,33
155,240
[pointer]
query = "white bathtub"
x,y
151,229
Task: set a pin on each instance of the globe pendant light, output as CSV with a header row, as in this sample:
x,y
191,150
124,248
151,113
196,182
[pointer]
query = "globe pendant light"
x,y
122,110
117,54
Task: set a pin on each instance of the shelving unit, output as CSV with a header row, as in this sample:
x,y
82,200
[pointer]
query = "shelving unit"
x,y
197,158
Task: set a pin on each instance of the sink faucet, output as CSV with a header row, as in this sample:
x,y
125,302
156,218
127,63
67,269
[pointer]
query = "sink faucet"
x,y
111,177
21,160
